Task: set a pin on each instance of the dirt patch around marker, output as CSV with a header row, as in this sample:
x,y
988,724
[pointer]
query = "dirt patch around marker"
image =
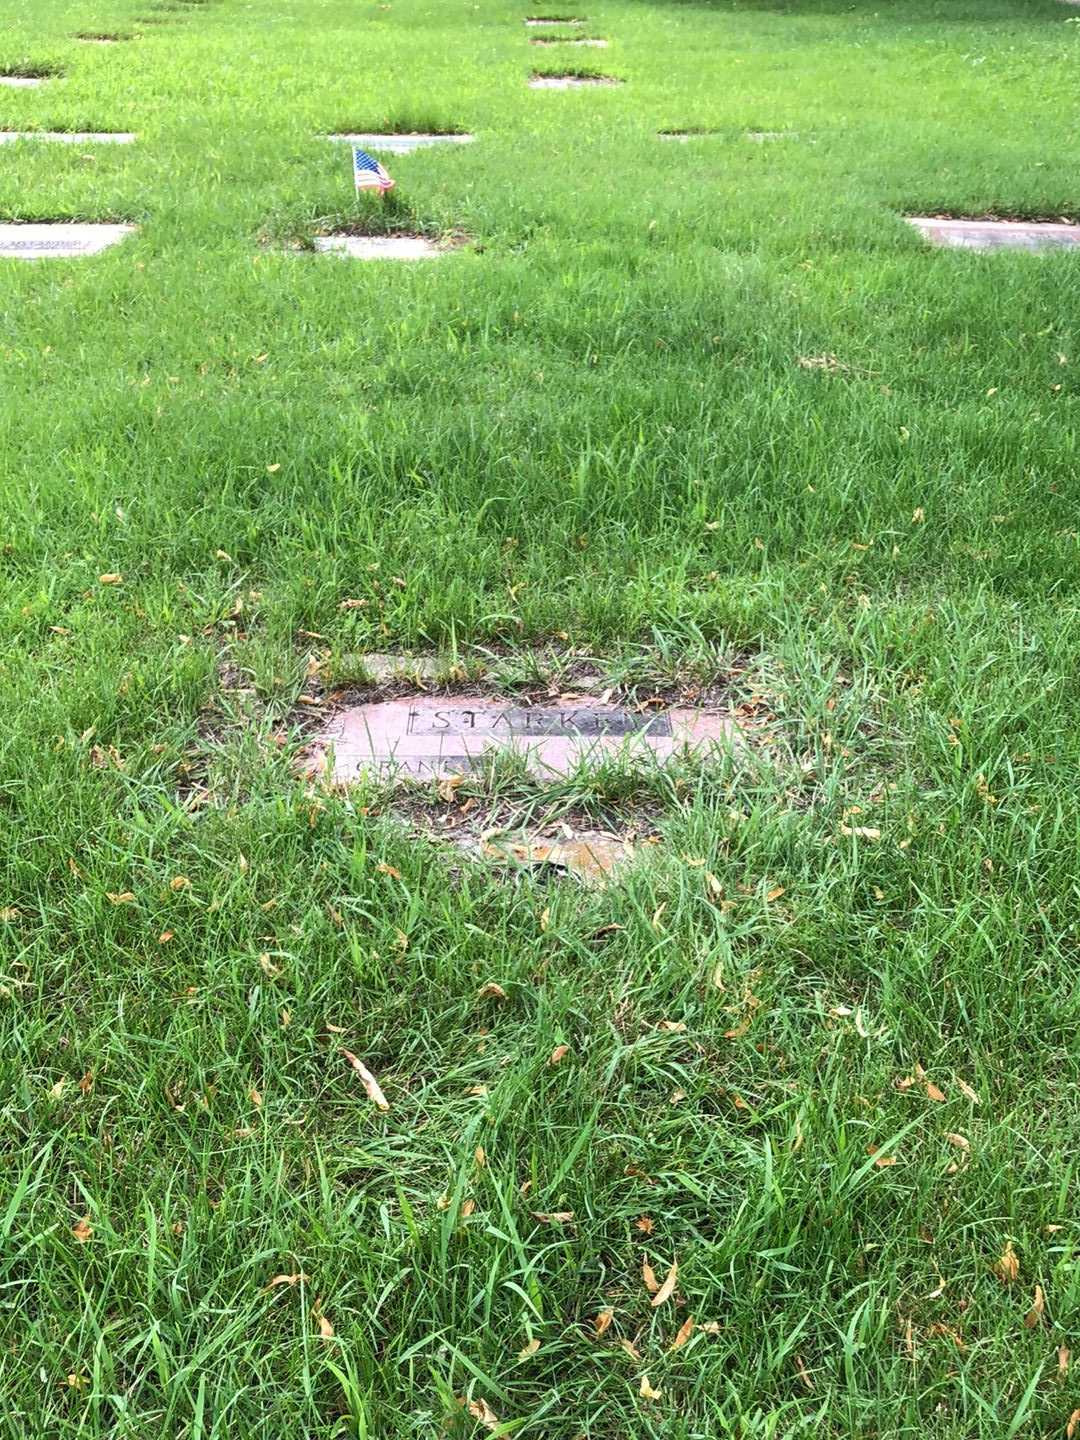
x,y
570,80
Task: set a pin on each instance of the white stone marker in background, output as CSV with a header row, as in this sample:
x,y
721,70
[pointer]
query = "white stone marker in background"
x,y
22,82
379,247
58,242
69,137
400,144
995,234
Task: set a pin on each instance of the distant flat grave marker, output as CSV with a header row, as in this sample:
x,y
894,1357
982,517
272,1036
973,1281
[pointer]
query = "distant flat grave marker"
x,y
69,137
761,137
996,234
400,144
565,19
570,82
591,40
58,242
684,136
102,39
22,82
430,738
380,247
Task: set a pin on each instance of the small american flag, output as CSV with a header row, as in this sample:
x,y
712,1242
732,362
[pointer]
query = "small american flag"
x,y
368,174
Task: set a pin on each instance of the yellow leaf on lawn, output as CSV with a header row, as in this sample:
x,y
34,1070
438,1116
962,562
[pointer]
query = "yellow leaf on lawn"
x,y
267,966
482,1411
630,1348
371,1085
774,894
1064,1357
383,869
1035,1314
603,1321
933,1093
295,1279
491,991
657,913
861,832
83,1230
881,1160
529,1349
1007,1266
648,1278
480,1156
966,1089
645,1224
86,1084
667,1289
553,1217
1073,1425
58,1089
180,882
111,577
119,897
559,1053
646,1391
686,1329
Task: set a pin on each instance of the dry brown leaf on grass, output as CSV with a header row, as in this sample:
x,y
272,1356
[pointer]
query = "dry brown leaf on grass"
x,y
267,966
774,894
1038,1306
881,1160
482,1411
602,1322
371,1085
179,882
119,897
383,869
804,1374
1073,1425
86,1084
667,1289
646,1391
630,1348
111,577
255,1097
861,832
57,1090
933,1093
686,1329
326,1330
1007,1266
645,1224
965,1089
1064,1357
648,1278
491,991
296,1278
82,1230
529,1349
480,1156
559,1053
552,1217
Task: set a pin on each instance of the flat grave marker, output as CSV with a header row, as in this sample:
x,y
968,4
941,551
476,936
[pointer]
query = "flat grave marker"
x,y
430,738
996,234
59,241
399,144
570,82
22,82
380,247
761,137
69,137
593,41
565,20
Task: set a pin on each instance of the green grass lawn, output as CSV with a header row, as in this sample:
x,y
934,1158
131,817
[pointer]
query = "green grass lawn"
x,y
583,440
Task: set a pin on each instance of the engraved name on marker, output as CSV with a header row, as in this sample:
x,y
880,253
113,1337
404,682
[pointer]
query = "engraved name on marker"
x,y
461,719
